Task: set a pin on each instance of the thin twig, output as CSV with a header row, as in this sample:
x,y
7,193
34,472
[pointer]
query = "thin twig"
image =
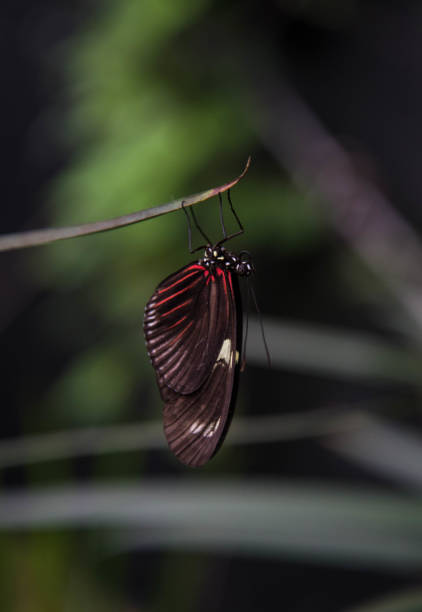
x,y
45,236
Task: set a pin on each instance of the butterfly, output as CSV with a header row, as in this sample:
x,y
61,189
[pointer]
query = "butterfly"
x,y
193,334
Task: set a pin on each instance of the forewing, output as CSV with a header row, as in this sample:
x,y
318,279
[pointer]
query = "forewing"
x,y
196,424
185,323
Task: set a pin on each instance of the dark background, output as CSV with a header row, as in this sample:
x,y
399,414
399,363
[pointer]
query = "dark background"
x,y
110,108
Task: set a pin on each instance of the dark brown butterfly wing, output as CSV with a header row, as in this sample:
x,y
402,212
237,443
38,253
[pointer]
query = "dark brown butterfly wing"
x,y
184,324
195,354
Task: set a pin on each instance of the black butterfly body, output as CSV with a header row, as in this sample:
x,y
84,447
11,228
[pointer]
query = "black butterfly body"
x,y
193,332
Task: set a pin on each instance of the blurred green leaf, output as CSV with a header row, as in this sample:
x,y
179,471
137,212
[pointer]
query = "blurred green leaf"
x,y
333,352
320,523
149,435
406,601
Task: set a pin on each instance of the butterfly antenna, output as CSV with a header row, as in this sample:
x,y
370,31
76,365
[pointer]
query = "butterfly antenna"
x,y
198,227
261,324
245,339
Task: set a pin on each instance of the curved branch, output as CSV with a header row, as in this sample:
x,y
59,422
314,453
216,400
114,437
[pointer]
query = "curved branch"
x,y
44,236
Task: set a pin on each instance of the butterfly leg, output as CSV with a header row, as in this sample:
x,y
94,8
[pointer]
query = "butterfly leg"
x,y
190,230
240,231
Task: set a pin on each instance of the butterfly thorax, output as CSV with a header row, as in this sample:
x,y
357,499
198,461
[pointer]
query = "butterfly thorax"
x,y
218,257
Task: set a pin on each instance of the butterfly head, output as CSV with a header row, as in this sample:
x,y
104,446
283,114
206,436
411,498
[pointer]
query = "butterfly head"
x,y
218,257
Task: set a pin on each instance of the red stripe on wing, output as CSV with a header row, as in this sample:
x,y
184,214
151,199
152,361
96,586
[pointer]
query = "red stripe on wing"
x,y
173,295
166,314
180,280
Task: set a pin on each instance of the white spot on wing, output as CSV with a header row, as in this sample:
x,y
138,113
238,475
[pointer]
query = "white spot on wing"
x,y
225,353
197,427
212,428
